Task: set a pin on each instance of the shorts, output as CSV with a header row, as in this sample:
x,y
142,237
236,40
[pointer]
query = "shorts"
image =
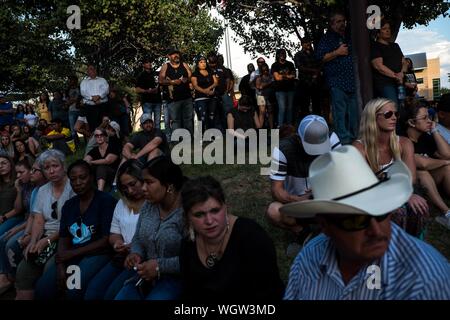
x,y
260,100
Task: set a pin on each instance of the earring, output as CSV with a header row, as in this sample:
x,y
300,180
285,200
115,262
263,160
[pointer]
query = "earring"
x,y
170,189
191,233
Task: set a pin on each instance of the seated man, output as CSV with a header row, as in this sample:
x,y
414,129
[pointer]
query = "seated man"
x,y
151,142
443,110
290,163
361,254
59,138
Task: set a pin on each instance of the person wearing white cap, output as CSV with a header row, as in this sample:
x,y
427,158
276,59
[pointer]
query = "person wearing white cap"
x,y
290,163
151,142
361,254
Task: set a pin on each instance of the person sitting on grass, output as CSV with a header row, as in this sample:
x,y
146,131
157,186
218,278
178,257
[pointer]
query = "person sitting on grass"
x,y
59,138
361,254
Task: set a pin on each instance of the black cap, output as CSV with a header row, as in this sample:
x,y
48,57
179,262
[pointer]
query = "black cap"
x,y
444,103
173,51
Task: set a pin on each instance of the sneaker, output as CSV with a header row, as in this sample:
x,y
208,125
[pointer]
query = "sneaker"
x,y
444,220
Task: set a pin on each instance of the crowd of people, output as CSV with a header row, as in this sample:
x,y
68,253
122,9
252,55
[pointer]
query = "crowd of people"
x,y
138,229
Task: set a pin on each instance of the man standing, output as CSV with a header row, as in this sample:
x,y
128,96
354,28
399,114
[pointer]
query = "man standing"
x,y
6,111
177,75
94,91
443,110
244,85
149,91
309,75
284,82
335,51
361,254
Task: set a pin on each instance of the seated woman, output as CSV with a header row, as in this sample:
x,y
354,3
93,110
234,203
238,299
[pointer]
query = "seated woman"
x,y
244,117
107,283
10,204
16,133
6,146
432,156
380,146
22,152
83,236
263,85
30,140
15,239
45,229
156,243
225,257
104,159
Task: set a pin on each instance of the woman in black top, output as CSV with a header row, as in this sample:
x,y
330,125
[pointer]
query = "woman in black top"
x,y
410,79
204,81
224,257
104,158
388,63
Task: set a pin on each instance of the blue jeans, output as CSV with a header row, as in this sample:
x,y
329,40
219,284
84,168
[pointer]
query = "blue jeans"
x,y
285,101
73,116
10,223
166,288
182,112
46,287
388,92
206,112
345,115
107,283
10,253
154,108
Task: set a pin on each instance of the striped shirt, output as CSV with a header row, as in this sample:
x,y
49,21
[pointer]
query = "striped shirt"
x,y
410,270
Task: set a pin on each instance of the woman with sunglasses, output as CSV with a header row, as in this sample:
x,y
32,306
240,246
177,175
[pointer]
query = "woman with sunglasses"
x,y
104,158
45,229
380,146
107,283
155,248
224,256
84,230
432,156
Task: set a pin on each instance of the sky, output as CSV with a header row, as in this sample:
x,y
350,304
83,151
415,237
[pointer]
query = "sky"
x,y
434,39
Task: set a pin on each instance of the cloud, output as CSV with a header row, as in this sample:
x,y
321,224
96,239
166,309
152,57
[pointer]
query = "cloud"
x,y
431,42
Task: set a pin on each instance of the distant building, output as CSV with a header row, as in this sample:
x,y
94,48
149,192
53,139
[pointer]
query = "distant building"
x,y
428,74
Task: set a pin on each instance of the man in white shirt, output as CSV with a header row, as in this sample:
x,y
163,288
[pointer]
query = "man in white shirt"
x,y
444,117
94,91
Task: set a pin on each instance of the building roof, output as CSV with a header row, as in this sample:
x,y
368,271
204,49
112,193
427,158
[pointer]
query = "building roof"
x,y
419,60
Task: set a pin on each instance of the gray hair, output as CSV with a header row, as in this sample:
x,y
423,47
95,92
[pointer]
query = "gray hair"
x,y
51,154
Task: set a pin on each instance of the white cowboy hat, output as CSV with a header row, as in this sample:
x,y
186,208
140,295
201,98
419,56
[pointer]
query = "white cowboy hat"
x,y
343,183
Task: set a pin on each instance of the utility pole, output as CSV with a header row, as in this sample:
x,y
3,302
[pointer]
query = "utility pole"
x,y
361,51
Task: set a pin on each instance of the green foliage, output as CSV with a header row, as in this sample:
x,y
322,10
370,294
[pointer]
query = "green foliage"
x,y
114,35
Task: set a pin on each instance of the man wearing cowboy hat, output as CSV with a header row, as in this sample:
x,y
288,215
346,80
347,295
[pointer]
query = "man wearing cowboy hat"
x,y
151,142
361,254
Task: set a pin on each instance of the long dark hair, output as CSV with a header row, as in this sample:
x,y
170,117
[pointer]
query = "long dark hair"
x,y
168,173
131,167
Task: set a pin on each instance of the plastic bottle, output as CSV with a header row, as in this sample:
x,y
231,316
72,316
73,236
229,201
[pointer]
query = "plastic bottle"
x,y
401,92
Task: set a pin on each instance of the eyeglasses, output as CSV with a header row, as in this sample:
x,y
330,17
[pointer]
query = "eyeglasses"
x,y
34,170
54,208
99,135
355,222
389,114
424,117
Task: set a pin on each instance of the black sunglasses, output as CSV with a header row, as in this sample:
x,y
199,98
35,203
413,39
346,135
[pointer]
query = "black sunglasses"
x,y
389,114
54,208
354,222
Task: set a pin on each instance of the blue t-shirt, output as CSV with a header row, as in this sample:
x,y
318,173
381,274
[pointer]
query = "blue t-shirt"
x,y
8,117
94,224
339,71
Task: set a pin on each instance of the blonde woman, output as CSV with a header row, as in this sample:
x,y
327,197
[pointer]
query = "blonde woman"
x,y
381,146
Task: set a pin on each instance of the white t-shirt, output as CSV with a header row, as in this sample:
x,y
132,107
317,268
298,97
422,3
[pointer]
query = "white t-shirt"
x,y
124,221
43,205
31,119
445,133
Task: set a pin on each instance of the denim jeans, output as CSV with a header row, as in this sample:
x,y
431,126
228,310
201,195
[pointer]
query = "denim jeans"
x,y
154,108
10,253
107,283
73,116
345,115
181,113
388,92
46,287
166,288
206,112
285,101
10,223
165,111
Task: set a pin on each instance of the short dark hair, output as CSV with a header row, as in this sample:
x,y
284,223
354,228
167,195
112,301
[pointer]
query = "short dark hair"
x,y
83,164
168,173
444,103
24,163
199,190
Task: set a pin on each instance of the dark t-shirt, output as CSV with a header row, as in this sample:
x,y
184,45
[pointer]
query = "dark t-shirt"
x,y
111,149
203,82
147,80
245,88
94,224
425,145
392,58
140,139
247,270
224,74
182,91
285,68
243,120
